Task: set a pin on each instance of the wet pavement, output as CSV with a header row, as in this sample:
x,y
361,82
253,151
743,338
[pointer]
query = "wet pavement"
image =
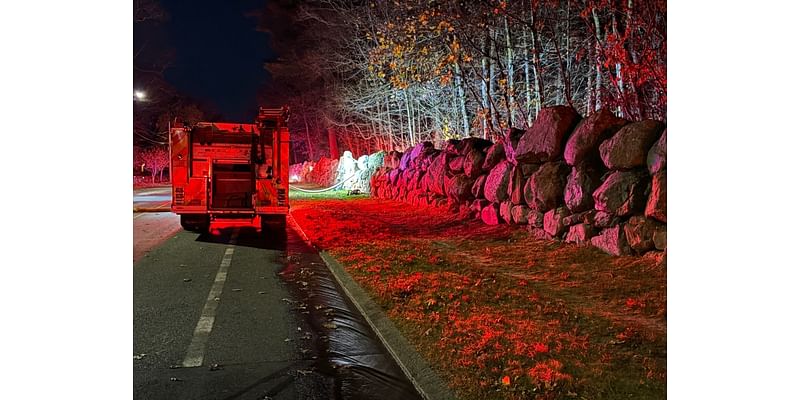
x,y
282,329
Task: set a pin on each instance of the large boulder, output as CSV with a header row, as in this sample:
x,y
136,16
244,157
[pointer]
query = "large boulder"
x,y
424,161
346,171
622,193
554,221
602,220
490,215
657,202
419,151
392,159
405,159
580,234
585,217
473,143
657,156
505,212
516,186
583,145
519,214
629,146
544,141
545,188
456,165
660,237
639,233
494,156
479,204
451,146
460,188
362,162
612,241
477,187
496,187
581,183
375,160
436,173
473,163
536,219
510,142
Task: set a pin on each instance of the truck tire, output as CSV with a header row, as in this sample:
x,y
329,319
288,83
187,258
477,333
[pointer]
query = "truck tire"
x,y
195,223
271,222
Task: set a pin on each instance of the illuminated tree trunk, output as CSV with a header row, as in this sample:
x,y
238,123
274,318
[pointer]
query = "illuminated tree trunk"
x,y
528,113
332,143
537,62
486,112
510,76
462,100
492,55
597,61
308,138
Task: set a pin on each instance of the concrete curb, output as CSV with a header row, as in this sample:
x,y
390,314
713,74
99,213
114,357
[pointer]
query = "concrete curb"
x,y
424,379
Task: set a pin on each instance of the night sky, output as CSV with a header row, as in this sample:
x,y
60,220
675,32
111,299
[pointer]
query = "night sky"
x,y
218,54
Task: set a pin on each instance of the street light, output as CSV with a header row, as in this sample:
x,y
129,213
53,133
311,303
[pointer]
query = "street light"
x,y
139,95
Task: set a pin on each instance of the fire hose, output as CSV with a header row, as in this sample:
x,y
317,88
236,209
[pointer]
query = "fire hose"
x,y
323,190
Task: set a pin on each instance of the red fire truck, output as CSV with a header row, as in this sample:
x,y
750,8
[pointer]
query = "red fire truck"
x,y
229,170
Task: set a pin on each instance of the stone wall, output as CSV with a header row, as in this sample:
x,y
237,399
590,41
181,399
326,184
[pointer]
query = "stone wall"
x,y
353,174
599,180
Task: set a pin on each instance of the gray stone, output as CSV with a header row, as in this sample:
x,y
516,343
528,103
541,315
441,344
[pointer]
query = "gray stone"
x,y
612,241
580,234
583,144
657,202
657,156
496,187
622,193
639,233
477,187
585,217
629,146
660,237
554,221
519,214
495,155
505,211
581,183
545,188
456,165
435,174
473,143
460,188
536,219
604,219
544,141
490,215
473,163
516,186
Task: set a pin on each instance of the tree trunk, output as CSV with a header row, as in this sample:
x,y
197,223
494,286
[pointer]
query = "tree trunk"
x,y
308,137
598,79
528,114
537,62
486,112
510,77
333,144
462,100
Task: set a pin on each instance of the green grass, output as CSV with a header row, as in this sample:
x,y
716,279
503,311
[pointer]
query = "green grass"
x,y
331,194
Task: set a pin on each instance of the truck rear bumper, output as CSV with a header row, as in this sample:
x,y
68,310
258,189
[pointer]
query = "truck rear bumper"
x,y
247,211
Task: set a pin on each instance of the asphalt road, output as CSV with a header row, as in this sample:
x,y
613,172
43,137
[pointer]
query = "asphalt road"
x,y
225,315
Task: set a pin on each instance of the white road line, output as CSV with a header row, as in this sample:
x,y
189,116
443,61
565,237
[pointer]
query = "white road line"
x,y
194,354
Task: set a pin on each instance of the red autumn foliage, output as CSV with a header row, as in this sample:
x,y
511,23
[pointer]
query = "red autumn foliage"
x,y
483,303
